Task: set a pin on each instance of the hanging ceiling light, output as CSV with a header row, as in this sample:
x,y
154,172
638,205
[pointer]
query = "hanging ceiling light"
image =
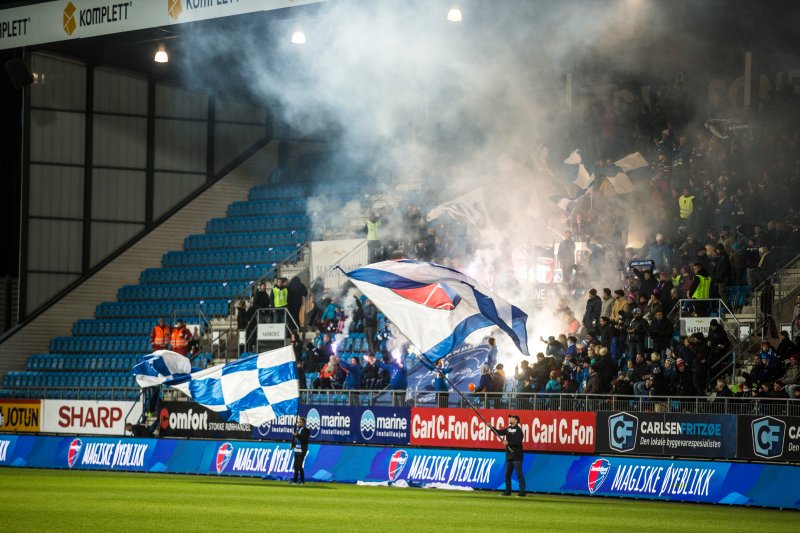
x,y
298,37
161,56
454,15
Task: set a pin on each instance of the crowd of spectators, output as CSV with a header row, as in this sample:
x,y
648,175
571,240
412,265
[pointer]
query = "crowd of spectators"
x,y
721,215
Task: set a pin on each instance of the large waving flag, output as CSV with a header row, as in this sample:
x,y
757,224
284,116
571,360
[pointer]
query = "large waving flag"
x,y
437,307
632,162
469,207
252,390
566,203
161,366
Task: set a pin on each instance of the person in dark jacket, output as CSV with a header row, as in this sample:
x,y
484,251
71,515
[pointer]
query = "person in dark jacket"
x,y
398,380
296,294
681,383
514,453
786,347
637,331
700,374
370,324
593,384
722,390
354,374
660,331
300,447
646,282
440,384
297,347
594,306
372,376
657,384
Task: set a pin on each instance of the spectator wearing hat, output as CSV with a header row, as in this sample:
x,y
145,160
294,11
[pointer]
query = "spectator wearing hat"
x,y
514,453
656,384
620,304
661,253
591,316
769,359
637,331
682,384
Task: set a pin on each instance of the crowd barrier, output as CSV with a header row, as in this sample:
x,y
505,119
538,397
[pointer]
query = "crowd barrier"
x,y
764,485
706,436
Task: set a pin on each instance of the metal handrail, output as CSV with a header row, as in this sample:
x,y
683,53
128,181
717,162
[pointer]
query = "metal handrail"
x,y
247,293
507,400
118,393
734,351
257,318
554,401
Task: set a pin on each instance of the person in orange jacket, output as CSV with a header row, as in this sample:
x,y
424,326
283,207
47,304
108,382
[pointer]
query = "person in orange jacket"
x,y
160,336
180,338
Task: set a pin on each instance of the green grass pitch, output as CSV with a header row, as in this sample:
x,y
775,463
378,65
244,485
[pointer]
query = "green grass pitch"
x,y
33,500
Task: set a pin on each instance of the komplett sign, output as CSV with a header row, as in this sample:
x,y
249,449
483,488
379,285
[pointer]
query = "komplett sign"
x,y
192,420
566,431
769,437
84,417
681,435
20,416
61,20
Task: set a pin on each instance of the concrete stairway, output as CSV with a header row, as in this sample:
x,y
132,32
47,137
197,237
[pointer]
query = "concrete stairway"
x,y
80,303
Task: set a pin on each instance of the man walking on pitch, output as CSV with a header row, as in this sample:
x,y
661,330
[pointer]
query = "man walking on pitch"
x,y
300,447
514,454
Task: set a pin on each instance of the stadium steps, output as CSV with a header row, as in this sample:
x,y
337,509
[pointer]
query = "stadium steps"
x,y
80,303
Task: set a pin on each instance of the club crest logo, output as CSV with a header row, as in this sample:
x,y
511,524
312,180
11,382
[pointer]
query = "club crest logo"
x,y
397,463
74,452
435,296
598,472
224,453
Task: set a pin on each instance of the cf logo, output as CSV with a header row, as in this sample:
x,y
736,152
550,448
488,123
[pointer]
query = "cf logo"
x,y
768,435
622,432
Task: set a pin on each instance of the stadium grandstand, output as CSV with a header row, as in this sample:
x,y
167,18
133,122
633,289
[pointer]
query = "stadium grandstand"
x,y
205,179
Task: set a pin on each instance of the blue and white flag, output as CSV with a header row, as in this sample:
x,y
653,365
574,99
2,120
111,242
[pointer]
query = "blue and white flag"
x,y
632,162
437,307
161,366
253,390
566,203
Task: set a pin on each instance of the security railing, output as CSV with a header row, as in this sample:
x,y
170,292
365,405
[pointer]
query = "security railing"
x,y
514,401
74,393
555,402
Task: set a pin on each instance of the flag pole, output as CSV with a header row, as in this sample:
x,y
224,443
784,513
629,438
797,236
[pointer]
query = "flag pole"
x,y
444,376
